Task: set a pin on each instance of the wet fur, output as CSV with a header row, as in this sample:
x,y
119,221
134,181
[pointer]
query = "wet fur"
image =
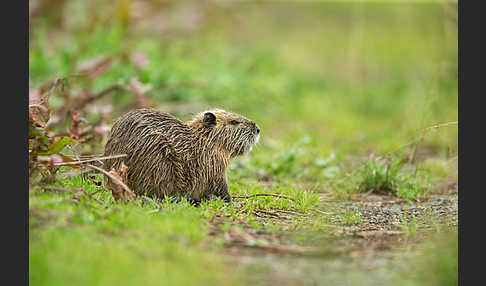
x,y
169,157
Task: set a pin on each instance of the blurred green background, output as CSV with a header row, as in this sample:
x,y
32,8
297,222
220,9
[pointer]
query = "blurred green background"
x,y
355,77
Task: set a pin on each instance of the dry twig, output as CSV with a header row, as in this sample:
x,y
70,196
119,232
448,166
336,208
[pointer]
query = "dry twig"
x,y
422,135
119,190
265,195
89,160
114,178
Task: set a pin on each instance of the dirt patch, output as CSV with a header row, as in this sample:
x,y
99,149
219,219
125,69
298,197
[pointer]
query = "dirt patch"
x,y
366,238
382,223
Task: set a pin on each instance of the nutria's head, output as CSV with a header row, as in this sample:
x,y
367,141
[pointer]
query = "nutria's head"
x,y
228,131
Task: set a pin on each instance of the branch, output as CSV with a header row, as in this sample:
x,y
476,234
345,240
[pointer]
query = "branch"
x,y
125,187
90,160
440,125
82,103
265,195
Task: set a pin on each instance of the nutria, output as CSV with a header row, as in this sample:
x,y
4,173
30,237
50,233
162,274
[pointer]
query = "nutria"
x,y
169,157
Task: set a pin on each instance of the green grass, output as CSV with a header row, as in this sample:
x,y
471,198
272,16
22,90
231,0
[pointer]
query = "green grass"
x,y
390,176
85,243
133,243
351,218
80,242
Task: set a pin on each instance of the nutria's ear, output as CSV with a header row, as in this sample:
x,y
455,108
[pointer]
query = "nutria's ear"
x,y
209,119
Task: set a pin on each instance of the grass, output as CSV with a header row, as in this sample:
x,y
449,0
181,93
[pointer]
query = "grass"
x,y
131,245
389,176
329,84
136,244
351,218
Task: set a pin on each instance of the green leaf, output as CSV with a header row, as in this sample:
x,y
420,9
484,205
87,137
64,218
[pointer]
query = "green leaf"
x,y
58,145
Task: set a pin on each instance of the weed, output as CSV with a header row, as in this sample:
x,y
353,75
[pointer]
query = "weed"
x,y
351,218
380,176
389,176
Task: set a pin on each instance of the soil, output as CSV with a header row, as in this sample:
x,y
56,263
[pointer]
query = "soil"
x,y
364,250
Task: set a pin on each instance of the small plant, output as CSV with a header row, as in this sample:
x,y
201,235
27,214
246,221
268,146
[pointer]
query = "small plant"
x,y
380,175
300,162
411,190
352,218
44,148
285,161
389,176
323,165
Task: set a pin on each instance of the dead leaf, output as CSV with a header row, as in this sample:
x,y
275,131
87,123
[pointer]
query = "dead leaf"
x,y
39,112
116,189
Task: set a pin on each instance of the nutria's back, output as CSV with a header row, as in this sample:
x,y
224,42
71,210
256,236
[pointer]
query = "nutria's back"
x,y
169,157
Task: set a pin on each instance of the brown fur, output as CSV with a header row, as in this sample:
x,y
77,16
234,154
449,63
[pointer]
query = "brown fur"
x,y
169,157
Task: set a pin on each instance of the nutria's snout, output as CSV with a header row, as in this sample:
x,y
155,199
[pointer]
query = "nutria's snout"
x,y
255,137
257,134
256,129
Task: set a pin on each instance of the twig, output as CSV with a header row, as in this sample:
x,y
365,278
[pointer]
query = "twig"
x,y
268,213
71,190
290,212
422,135
58,81
441,125
81,104
125,187
325,213
265,195
90,160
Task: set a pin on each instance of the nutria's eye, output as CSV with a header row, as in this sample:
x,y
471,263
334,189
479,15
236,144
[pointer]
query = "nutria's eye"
x,y
234,122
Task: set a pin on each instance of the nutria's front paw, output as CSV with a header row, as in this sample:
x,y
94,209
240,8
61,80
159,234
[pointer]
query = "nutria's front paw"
x,y
227,198
193,201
